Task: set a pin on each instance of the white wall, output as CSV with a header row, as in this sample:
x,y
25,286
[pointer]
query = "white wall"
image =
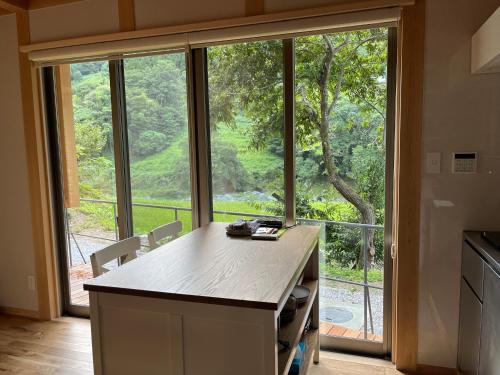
x,y
156,13
16,244
284,5
74,20
461,113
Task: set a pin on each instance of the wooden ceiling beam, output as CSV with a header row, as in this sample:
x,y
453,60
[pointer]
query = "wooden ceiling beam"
x,y
126,15
14,5
4,12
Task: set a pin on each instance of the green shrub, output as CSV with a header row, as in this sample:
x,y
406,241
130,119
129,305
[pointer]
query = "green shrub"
x,y
149,142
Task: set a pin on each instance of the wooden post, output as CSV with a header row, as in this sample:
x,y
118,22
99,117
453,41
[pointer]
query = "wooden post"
x,y
67,136
48,307
254,7
126,15
407,186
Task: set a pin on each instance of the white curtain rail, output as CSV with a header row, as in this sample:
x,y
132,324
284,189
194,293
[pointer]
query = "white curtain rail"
x,y
197,39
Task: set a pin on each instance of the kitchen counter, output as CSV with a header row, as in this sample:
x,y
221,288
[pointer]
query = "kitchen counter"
x,y
490,254
208,304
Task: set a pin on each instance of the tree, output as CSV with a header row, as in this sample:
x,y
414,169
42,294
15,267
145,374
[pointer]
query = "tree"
x,y
229,176
329,68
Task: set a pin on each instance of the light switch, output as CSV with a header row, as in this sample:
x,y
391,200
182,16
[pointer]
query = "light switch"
x,y
31,283
433,163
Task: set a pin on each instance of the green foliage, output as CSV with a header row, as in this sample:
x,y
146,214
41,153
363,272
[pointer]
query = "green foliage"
x,y
249,77
149,142
343,244
228,174
96,171
90,141
164,174
156,102
375,275
368,170
92,97
97,177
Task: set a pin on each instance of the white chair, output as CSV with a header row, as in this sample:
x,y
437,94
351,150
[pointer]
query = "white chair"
x,y
171,230
125,250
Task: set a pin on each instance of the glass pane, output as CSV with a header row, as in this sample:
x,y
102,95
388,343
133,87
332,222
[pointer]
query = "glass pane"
x,y
246,125
91,202
340,124
157,118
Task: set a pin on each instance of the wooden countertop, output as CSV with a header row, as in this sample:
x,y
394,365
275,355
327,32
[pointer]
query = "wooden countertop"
x,y
209,267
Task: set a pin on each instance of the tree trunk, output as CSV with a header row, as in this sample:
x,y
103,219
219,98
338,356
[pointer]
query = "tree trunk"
x,y
365,208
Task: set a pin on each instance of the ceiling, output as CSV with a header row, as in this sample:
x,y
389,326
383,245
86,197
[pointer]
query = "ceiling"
x,y
12,6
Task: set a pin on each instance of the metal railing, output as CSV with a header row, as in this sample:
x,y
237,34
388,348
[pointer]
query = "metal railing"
x,y
365,230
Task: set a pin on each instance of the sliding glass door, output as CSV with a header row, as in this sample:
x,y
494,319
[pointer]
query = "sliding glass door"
x,y
121,165
88,170
340,85
344,174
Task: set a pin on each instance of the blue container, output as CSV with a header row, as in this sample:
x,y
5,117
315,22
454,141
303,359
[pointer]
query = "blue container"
x,y
298,359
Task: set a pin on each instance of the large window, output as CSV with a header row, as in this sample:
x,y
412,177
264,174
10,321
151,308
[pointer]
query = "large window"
x,y
245,82
330,89
157,122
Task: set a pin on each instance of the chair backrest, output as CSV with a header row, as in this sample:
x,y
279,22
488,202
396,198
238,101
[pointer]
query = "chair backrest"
x,y
168,230
125,250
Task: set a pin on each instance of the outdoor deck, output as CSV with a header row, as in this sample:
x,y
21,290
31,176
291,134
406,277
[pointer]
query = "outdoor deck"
x,y
78,275
331,329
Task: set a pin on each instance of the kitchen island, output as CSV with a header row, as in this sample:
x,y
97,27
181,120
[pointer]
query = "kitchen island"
x,y
207,304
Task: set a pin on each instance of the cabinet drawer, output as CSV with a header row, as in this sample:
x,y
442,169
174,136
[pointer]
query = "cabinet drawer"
x,y
490,329
473,269
469,331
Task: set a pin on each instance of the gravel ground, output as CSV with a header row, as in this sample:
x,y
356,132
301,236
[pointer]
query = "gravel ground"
x,y
87,246
337,294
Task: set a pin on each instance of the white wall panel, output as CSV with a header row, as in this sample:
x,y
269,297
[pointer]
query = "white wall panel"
x,y
272,6
461,113
81,18
16,241
156,13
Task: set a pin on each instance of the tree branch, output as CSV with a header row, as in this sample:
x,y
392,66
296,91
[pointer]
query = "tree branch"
x,y
313,114
371,105
340,77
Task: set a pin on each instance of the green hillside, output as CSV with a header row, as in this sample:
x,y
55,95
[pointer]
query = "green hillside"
x,y
166,174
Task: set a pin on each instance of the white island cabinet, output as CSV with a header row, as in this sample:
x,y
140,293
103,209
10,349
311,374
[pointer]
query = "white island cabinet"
x,y
206,304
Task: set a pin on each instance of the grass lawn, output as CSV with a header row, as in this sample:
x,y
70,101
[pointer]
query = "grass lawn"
x,y
375,275
147,218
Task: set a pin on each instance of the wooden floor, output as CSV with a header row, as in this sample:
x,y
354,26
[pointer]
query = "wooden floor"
x,y
345,364
64,346
58,347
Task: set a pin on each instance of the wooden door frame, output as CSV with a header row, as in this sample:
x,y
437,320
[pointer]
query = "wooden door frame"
x,y
406,183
